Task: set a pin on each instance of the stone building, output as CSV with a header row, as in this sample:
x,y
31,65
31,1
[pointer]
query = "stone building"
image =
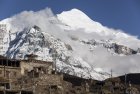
x,y
10,72
29,76
40,77
44,78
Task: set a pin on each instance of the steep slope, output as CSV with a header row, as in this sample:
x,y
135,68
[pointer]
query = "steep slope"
x,y
79,45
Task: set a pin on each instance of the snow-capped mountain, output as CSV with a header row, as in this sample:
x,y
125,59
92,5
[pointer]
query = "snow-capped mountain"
x,y
78,45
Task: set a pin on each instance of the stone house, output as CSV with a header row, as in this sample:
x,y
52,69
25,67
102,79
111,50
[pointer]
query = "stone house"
x,y
10,72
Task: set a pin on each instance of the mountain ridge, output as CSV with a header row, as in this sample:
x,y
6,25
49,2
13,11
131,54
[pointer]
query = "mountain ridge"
x,y
85,59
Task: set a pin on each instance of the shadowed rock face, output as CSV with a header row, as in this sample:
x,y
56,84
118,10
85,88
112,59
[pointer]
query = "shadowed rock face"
x,y
120,49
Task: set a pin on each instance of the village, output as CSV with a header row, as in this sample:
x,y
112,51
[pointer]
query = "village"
x,y
38,77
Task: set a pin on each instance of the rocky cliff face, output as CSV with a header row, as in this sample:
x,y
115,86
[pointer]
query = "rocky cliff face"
x,y
114,47
120,49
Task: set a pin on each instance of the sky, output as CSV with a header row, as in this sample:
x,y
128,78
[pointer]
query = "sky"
x,y
118,14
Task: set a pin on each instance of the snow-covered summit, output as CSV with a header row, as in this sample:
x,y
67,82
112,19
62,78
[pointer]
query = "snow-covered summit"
x,y
77,19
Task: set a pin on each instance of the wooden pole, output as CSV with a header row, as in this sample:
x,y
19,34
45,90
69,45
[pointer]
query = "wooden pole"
x,y
4,77
50,89
4,71
125,83
111,73
20,92
125,79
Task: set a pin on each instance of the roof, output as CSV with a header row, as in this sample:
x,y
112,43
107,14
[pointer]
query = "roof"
x,y
31,55
5,58
37,61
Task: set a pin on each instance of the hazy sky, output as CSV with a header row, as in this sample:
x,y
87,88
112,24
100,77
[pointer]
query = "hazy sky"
x,y
118,14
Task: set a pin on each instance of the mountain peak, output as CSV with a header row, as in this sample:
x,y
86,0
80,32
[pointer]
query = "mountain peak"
x,y
76,19
77,12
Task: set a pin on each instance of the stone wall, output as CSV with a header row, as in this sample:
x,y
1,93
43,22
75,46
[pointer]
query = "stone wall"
x,y
10,72
30,65
50,80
